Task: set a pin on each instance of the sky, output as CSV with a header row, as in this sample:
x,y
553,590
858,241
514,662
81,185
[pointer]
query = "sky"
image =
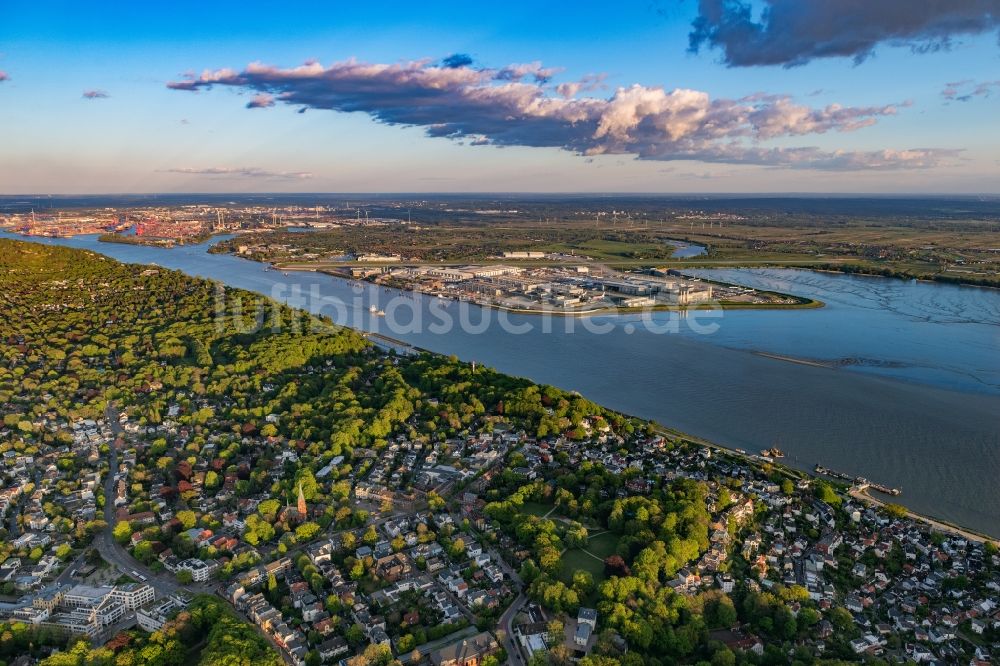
x,y
680,96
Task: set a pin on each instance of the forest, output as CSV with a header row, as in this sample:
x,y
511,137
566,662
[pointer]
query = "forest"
x,y
237,397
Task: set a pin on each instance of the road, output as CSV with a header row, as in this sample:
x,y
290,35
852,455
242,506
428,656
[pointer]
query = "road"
x,y
164,584
514,654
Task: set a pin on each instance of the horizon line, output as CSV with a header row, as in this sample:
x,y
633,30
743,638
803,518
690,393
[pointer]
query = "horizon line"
x,y
611,193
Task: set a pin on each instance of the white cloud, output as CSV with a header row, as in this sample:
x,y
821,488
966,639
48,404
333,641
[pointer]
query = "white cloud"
x,y
518,106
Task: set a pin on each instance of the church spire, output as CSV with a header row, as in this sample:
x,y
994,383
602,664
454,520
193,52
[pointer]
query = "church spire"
x,y
303,510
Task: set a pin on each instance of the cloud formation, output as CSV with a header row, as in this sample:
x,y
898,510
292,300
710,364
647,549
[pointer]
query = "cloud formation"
x,y
793,32
95,94
261,101
456,60
967,89
517,106
241,172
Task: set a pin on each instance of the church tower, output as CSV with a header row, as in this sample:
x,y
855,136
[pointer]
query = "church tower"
x,y
303,510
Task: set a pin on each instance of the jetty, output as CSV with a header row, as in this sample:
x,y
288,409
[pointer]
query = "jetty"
x,y
860,481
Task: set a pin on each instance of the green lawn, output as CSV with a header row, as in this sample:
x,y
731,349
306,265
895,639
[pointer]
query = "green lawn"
x,y
575,560
603,545
536,508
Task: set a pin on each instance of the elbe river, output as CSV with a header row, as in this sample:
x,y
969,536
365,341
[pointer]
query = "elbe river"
x,y
895,381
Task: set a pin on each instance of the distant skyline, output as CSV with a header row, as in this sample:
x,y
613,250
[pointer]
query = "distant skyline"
x,y
686,96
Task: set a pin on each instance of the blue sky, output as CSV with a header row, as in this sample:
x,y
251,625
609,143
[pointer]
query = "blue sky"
x,y
893,129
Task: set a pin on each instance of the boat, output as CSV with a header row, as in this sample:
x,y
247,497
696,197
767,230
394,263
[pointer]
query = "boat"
x,y
773,452
375,311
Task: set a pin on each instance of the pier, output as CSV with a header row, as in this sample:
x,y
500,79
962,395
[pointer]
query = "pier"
x,y
860,481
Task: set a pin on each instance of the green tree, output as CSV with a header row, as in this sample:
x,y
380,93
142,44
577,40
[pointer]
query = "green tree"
x,y
122,531
307,531
187,518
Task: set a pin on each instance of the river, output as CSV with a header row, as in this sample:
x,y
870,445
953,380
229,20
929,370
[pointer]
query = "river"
x,y
900,381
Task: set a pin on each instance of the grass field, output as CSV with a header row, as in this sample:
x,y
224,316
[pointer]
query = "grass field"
x,y
536,508
603,545
577,560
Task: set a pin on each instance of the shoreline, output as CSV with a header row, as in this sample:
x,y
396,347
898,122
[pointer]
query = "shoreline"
x,y
695,262
834,271
803,303
930,520
935,524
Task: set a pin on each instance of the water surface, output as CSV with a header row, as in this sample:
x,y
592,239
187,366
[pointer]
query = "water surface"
x,y
911,397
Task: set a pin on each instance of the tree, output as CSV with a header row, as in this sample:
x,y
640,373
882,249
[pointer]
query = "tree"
x,y
434,501
723,657
725,613
614,565
895,510
268,509
583,582
144,552
122,531
841,619
307,531
187,518
257,530
185,577
827,494
555,630
725,498
529,571
357,571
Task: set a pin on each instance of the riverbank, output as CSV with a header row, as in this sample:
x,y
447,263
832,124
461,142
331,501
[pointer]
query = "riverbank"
x,y
163,243
924,418
933,523
855,269
936,524
799,304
